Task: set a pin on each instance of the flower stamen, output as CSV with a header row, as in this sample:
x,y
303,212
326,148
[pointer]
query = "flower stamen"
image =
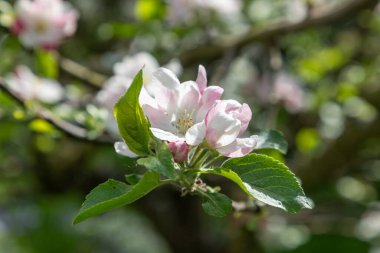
x,y
184,122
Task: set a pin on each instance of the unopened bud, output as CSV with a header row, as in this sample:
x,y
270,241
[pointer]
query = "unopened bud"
x,y
180,150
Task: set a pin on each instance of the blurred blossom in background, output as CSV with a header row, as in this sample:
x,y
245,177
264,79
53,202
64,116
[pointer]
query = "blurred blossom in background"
x,y
44,23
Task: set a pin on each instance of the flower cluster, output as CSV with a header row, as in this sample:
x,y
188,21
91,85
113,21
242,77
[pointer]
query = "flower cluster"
x,y
30,87
44,23
190,114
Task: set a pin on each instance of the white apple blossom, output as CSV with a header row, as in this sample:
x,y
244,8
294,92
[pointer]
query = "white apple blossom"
x,y
30,87
193,113
44,23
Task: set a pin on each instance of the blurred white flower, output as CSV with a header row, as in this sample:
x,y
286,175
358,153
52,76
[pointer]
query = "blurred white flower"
x,y
131,65
286,90
30,87
185,10
44,23
368,227
222,7
124,72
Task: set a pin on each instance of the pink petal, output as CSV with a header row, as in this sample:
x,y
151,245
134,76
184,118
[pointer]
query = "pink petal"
x,y
240,147
244,116
188,97
201,78
210,95
222,129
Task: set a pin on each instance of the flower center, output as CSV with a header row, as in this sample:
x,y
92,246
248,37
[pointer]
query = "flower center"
x,y
40,26
184,122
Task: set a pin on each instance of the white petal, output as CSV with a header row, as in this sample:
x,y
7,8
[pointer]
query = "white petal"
x,y
240,147
158,118
166,77
222,130
146,99
48,91
196,134
164,135
122,149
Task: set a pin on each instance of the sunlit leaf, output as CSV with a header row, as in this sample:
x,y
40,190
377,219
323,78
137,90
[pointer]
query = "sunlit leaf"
x,y
113,194
265,179
133,126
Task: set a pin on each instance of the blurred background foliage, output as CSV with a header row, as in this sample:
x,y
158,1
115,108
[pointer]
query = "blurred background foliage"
x,y
328,50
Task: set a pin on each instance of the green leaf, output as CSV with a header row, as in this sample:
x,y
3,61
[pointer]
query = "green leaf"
x,y
161,163
216,204
149,9
133,126
46,63
265,179
271,139
132,178
113,194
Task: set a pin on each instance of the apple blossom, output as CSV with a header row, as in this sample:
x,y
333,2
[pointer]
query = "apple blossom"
x,y
175,109
44,23
192,113
30,87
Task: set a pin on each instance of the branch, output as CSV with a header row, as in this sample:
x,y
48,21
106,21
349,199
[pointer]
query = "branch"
x,y
68,128
317,17
81,72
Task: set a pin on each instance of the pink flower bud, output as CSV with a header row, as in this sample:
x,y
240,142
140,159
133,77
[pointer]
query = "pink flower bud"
x,y
18,26
180,150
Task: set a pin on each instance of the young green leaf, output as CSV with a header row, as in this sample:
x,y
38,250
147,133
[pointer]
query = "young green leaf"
x,y
113,194
162,163
271,139
132,123
46,63
265,179
216,204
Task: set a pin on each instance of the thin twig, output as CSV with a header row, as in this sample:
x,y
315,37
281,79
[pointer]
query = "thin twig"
x,y
81,72
317,17
68,128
